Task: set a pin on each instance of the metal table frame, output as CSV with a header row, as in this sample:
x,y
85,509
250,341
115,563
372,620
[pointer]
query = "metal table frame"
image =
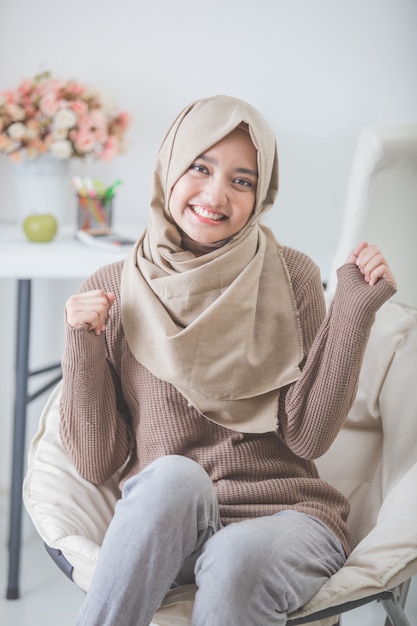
x,y
65,259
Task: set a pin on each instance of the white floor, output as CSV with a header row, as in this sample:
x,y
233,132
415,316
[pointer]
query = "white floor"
x,y
48,598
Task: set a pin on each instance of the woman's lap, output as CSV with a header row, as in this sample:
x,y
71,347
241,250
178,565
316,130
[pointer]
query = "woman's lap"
x,y
166,527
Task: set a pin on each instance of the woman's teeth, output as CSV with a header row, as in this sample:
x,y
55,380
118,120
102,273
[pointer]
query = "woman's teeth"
x,y
202,212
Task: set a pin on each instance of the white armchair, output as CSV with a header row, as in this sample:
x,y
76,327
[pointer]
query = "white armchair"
x,y
373,462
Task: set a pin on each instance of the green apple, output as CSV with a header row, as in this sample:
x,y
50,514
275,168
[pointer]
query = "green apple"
x,y
40,227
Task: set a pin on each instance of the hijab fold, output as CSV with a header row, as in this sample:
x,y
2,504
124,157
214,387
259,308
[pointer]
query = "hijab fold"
x,y
222,326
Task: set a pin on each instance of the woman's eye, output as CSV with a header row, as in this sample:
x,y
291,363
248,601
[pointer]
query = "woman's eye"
x,y
196,167
244,182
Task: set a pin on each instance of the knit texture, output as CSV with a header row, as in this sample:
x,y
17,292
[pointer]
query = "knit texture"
x,y
114,412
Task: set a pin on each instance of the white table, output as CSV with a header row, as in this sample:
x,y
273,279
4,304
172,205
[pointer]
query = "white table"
x,y
63,258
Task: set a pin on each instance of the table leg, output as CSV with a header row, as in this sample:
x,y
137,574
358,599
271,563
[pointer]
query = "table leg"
x,y
22,400
19,434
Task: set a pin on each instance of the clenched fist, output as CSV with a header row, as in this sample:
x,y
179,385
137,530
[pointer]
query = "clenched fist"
x,y
371,264
89,309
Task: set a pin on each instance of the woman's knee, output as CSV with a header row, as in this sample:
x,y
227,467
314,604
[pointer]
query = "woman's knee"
x,y
171,482
283,554
234,579
236,551
171,471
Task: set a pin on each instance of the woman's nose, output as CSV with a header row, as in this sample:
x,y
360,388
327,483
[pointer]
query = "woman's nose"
x,y
216,192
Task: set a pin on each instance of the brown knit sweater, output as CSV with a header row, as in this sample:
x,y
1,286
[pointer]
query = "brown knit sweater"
x,y
115,412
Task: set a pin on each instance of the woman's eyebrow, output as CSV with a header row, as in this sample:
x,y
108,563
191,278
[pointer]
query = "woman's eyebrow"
x,y
244,170
239,170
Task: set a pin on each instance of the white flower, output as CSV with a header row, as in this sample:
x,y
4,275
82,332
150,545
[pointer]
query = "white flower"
x,y
59,134
61,149
16,131
65,118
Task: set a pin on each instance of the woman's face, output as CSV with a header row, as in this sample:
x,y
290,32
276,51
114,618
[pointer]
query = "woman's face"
x,y
215,197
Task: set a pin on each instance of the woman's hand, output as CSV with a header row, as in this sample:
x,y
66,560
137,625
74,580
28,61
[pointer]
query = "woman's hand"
x,y
89,309
371,264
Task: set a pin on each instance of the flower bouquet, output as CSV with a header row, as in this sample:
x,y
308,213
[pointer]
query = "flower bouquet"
x,y
62,118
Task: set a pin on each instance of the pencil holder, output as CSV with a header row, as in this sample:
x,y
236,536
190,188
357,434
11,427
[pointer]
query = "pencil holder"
x,y
94,212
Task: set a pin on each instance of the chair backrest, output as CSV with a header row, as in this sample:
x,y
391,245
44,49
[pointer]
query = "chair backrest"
x,y
381,203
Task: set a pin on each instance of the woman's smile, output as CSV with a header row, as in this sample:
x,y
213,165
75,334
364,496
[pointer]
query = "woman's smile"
x,y
206,214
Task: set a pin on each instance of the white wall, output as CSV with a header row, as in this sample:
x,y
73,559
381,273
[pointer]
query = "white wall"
x,y
319,70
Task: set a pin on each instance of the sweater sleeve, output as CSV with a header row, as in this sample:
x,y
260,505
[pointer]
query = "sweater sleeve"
x,y
94,419
318,403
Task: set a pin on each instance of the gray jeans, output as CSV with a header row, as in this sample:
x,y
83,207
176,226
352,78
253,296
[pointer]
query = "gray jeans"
x,y
166,530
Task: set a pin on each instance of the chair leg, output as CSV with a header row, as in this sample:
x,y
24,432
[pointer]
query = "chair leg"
x,y
394,606
60,560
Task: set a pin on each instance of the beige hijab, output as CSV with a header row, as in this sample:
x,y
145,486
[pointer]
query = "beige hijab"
x,y
221,327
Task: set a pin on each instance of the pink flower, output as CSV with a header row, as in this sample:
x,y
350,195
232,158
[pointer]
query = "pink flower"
x,y
97,119
5,143
79,107
100,135
84,141
9,96
15,111
124,120
25,87
74,88
84,122
49,104
110,149
30,110
41,146
33,129
16,157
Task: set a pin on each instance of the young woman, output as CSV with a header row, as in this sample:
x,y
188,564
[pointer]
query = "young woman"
x,y
206,367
